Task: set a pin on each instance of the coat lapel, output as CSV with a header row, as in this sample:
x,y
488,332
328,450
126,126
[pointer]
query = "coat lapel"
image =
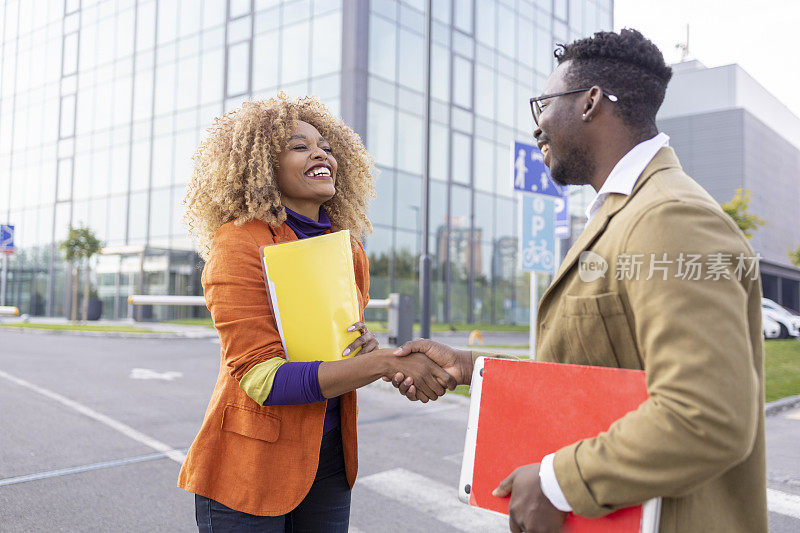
x,y
664,158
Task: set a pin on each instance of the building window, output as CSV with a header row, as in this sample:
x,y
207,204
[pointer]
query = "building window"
x,y
67,117
382,48
462,82
462,158
294,56
64,185
70,62
238,81
238,8
381,133
463,15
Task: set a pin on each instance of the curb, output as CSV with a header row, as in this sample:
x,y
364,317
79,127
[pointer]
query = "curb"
x,y
773,408
108,334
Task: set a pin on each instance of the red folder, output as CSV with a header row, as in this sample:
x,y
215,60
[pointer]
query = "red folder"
x,y
523,410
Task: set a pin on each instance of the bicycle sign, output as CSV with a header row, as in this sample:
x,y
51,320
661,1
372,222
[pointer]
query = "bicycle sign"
x,y
537,244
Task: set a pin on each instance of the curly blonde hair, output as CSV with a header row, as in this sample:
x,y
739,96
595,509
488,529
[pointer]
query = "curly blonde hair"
x,y
234,174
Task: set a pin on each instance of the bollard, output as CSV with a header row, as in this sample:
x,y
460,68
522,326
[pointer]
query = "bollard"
x,y
401,318
475,336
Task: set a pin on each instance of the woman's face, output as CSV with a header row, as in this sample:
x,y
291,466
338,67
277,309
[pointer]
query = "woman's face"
x,y
306,171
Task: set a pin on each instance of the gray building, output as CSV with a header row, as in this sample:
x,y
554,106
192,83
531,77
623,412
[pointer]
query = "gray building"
x,y
730,133
102,103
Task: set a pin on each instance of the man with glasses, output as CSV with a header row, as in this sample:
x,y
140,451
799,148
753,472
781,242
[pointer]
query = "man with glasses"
x,y
698,441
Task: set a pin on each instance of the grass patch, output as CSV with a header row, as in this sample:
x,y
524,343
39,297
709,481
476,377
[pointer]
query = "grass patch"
x,y
80,327
382,327
463,390
782,368
192,322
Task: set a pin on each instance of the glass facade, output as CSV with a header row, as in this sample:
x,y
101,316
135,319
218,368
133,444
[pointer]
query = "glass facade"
x,y
488,57
103,102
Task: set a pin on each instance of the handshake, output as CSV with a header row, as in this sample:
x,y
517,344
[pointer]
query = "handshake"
x,y
423,370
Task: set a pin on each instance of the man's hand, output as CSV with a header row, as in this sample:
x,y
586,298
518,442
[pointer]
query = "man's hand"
x,y
529,509
430,378
457,363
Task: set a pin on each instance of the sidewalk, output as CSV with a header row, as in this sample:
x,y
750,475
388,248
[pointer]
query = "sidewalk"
x,y
510,341
149,329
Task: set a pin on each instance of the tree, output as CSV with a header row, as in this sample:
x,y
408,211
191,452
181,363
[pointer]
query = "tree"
x,y
72,248
91,245
79,246
737,209
794,256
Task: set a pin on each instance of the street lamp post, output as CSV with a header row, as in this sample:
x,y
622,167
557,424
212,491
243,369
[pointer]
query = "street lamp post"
x,y
425,258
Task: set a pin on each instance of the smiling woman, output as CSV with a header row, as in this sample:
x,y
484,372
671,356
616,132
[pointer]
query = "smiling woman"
x,y
236,175
277,450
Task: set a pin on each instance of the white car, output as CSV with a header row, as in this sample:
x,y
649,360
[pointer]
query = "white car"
x,y
788,323
772,330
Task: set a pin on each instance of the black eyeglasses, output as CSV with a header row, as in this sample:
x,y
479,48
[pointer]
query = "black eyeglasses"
x,y
536,108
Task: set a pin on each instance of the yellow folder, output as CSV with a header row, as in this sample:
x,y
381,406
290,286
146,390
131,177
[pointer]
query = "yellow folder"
x,y
312,288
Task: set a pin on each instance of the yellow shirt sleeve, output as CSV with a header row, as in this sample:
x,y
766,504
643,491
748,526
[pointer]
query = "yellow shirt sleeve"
x,y
257,382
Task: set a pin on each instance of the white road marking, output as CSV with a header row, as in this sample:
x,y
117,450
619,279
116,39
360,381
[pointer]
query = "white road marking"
x,y
794,415
440,501
435,499
783,503
125,429
456,458
146,373
80,469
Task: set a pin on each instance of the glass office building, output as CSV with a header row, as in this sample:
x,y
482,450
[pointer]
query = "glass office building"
x,y
102,104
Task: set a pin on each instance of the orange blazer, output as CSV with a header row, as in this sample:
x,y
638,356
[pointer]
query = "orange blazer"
x,y
256,459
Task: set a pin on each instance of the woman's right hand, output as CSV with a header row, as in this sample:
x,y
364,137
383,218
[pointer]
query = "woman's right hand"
x,y
429,378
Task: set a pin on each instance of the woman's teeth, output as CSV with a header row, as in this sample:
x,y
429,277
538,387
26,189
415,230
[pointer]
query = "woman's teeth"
x,y
319,171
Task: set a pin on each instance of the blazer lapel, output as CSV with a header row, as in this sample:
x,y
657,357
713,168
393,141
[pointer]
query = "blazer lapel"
x,y
664,158
586,238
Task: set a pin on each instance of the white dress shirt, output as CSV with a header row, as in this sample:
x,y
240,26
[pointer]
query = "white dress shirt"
x,y
622,180
626,172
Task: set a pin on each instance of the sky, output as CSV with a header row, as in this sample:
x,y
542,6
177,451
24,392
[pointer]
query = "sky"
x,y
763,37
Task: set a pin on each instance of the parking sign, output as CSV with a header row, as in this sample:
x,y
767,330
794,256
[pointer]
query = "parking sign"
x,y
6,238
537,244
562,217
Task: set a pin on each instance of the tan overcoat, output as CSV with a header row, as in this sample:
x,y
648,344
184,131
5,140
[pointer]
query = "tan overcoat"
x,y
699,440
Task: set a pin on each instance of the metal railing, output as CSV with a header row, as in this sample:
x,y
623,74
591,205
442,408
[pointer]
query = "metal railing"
x,y
8,310
400,307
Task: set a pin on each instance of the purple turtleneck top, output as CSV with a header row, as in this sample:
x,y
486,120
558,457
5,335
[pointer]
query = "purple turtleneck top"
x,y
298,383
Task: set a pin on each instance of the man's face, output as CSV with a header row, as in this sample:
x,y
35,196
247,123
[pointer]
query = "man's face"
x,y
560,134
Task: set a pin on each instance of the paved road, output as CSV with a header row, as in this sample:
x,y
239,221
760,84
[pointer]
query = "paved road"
x,y
94,429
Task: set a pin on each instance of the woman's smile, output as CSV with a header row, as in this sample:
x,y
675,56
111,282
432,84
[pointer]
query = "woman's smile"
x,y
320,171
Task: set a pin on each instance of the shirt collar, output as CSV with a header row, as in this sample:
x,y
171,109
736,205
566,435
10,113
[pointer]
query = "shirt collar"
x,y
625,174
305,227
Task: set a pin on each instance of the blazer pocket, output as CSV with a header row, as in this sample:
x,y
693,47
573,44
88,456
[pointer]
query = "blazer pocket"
x,y
600,331
251,423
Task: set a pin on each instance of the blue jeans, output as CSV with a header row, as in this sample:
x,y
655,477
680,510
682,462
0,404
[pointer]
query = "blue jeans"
x,y
325,509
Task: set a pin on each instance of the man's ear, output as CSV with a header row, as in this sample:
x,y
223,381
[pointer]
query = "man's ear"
x,y
591,103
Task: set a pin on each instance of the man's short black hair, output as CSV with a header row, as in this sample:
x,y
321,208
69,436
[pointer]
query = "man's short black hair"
x,y
625,64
